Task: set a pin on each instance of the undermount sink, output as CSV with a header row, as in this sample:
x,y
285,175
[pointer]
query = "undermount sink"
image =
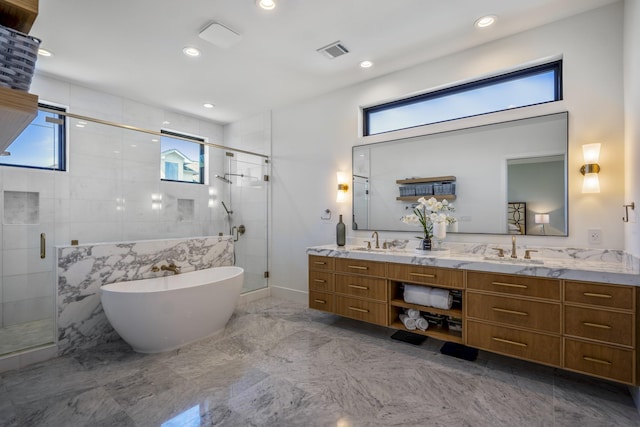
x,y
365,249
509,260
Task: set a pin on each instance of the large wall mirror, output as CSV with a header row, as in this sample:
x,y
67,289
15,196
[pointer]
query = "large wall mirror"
x,y
503,178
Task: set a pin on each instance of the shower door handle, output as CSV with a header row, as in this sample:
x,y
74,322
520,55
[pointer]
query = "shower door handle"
x,y
43,245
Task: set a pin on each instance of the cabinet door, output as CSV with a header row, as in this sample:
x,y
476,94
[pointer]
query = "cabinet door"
x,y
611,296
514,285
363,267
361,287
321,262
600,325
321,281
599,360
367,311
439,277
321,301
542,316
513,342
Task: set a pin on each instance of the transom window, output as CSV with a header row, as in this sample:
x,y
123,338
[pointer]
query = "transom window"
x,y
41,145
181,160
531,86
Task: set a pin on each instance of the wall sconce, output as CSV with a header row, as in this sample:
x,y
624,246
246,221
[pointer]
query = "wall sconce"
x,y
156,202
542,219
591,168
343,187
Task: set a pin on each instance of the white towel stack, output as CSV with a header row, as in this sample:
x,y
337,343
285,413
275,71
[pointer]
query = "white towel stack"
x,y
408,322
428,296
419,322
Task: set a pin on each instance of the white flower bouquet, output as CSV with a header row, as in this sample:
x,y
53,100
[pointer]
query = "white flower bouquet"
x,y
429,212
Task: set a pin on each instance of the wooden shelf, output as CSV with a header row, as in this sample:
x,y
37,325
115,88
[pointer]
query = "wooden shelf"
x,y
425,180
454,312
18,14
436,332
17,110
428,196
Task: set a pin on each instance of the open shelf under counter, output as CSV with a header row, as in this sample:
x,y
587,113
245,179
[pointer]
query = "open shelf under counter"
x,y
453,312
436,332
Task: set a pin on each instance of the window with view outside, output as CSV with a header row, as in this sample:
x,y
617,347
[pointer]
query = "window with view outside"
x,y
41,145
181,161
531,86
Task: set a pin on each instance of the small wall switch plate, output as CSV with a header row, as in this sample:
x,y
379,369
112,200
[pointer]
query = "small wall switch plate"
x,y
594,236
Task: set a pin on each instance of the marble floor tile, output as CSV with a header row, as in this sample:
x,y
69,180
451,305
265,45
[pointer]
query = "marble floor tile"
x,y
279,363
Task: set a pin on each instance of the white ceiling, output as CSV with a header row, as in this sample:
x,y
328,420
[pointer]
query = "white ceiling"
x,y
133,48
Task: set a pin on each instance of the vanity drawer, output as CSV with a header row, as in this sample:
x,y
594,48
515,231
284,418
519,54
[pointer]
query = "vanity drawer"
x,y
321,301
361,287
358,266
443,277
542,316
321,262
367,311
512,342
514,285
599,360
613,296
321,281
611,327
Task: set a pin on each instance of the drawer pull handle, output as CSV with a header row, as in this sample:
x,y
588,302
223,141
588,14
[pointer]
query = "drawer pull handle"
x,y
596,325
503,310
594,360
509,285
320,301
364,288
519,344
360,310
357,267
591,294
319,280
320,263
428,276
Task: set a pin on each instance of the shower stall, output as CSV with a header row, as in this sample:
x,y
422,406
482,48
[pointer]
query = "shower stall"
x,y
112,191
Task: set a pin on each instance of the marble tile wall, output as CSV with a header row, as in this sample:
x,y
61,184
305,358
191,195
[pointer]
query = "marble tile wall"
x,y
82,270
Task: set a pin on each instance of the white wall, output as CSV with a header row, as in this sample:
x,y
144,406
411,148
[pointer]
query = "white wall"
x,y
313,139
632,126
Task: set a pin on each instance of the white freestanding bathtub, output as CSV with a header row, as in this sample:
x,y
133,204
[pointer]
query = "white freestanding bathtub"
x,y
165,313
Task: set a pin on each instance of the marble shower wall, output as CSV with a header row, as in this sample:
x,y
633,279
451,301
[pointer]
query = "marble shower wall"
x,y
82,270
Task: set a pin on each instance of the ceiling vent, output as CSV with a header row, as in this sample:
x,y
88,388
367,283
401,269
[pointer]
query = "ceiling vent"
x,y
219,35
333,50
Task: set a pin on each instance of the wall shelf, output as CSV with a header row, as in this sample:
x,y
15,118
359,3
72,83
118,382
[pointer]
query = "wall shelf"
x,y
411,189
17,110
437,196
18,14
448,178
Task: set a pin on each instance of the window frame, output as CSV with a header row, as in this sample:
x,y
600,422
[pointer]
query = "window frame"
x,y
555,66
62,140
188,138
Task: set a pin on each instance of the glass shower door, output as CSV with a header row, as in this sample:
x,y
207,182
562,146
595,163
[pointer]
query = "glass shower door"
x,y
248,195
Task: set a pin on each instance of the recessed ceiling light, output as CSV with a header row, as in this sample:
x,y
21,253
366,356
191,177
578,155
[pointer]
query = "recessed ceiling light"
x,y
191,51
366,64
485,21
266,4
44,52
207,105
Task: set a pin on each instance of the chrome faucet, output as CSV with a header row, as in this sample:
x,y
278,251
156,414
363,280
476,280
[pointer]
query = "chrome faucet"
x,y
375,233
513,247
171,267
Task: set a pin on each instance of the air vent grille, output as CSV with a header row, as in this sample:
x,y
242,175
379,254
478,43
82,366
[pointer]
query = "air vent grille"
x,y
333,50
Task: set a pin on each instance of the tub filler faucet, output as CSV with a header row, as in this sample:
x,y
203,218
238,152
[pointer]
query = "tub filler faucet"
x,y
171,267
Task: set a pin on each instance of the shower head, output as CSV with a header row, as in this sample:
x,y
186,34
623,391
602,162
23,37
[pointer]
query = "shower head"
x,y
222,178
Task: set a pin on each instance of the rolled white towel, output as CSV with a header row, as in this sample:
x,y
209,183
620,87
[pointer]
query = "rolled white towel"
x,y
408,322
422,324
417,294
440,298
412,313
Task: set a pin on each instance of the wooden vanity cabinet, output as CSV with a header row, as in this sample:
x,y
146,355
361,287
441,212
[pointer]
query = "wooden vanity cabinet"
x,y
517,316
580,326
600,330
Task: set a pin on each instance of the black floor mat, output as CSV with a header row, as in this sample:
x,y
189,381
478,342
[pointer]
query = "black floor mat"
x,y
408,337
460,351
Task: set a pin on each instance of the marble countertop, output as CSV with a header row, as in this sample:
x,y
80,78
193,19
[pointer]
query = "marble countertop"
x,y
606,266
